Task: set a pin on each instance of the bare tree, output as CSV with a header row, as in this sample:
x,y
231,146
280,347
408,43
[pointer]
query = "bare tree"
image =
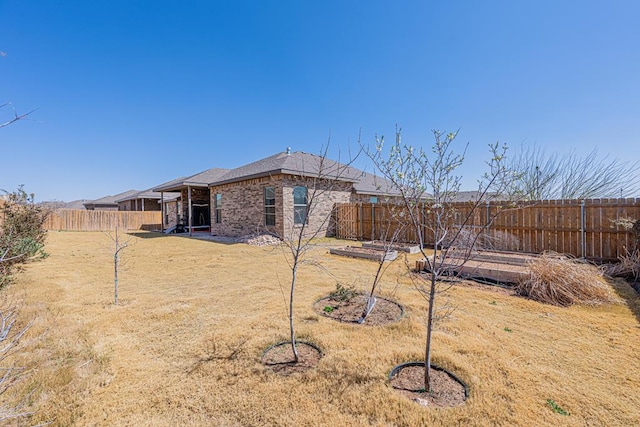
x,y
317,179
546,176
427,184
119,245
15,116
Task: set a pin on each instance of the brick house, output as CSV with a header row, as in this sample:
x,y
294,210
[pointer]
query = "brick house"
x,y
275,193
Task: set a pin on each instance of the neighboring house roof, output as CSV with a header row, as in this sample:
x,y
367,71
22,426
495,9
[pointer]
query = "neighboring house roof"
x,y
75,204
148,194
372,184
472,196
201,179
109,200
296,163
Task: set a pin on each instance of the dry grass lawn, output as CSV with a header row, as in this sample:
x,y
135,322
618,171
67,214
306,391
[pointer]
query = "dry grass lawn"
x,y
184,346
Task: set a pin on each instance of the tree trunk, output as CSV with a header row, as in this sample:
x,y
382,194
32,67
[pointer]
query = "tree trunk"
x,y
432,297
371,300
115,275
427,359
291,325
115,268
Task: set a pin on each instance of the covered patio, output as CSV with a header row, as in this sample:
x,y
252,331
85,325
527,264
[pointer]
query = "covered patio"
x,y
195,211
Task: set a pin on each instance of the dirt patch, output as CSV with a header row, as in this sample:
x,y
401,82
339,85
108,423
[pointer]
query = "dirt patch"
x,y
349,311
279,358
446,390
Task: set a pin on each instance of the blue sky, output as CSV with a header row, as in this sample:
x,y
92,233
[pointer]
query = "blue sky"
x,y
131,94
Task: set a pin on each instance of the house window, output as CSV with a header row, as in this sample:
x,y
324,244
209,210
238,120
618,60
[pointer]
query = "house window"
x,y
270,206
299,205
218,208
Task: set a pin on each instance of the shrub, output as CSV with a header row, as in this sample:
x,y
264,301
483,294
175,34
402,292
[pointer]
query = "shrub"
x,y
22,234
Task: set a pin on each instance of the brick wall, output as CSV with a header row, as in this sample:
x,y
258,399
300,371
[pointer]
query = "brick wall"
x,y
170,214
320,220
243,205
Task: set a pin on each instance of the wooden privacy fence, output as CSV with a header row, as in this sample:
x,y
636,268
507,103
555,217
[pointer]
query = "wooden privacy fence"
x,y
83,220
582,228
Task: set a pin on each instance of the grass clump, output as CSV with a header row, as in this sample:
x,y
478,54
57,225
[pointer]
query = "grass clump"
x,y
562,281
556,408
343,292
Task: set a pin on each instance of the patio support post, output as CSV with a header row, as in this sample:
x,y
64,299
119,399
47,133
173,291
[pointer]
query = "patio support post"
x,y
162,208
189,197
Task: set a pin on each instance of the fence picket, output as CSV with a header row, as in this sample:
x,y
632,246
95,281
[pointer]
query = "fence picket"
x,y
84,220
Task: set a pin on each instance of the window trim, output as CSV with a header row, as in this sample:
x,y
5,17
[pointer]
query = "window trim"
x,y
269,215
218,208
297,206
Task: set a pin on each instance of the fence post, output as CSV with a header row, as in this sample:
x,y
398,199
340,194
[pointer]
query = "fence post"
x,y
373,222
583,234
360,218
488,223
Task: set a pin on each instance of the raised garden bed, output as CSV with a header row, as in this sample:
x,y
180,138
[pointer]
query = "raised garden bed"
x,y
376,244
366,253
479,269
503,257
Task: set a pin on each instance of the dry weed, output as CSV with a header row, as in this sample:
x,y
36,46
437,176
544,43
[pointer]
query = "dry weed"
x,y
628,266
563,281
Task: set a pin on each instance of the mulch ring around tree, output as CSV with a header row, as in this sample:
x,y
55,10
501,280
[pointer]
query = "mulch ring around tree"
x,y
350,310
447,390
279,357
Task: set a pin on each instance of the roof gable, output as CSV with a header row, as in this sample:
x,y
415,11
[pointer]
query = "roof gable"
x,y
296,163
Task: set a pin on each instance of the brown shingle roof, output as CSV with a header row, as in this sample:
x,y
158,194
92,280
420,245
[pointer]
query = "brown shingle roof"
x,y
296,163
201,179
148,194
109,200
